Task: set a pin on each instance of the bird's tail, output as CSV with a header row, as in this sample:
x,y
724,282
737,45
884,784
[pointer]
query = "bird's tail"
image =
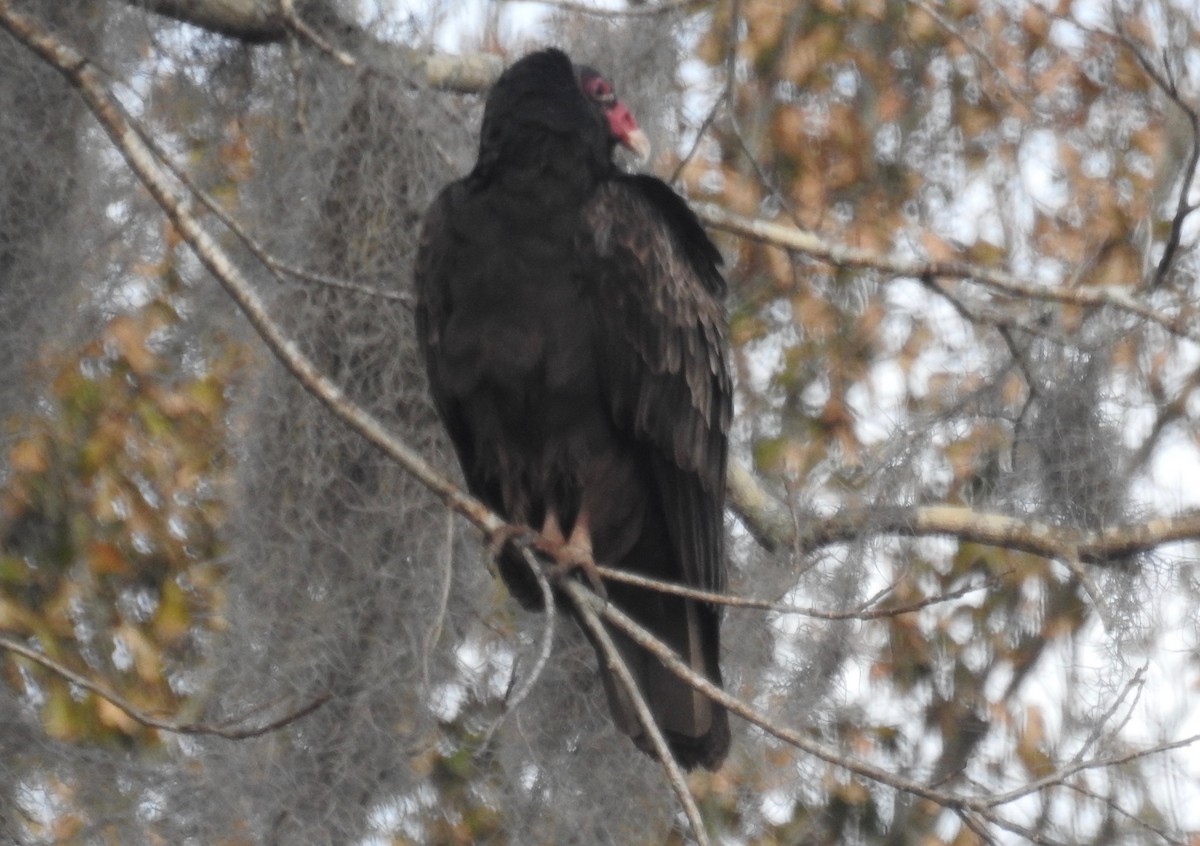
x,y
696,728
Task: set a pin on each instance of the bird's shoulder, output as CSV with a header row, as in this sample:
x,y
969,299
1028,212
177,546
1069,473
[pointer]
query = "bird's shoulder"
x,y
638,211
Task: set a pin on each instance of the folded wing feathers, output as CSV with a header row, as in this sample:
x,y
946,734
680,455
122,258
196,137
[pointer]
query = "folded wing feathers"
x,y
669,317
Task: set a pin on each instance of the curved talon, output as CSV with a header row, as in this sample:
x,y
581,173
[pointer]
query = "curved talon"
x,y
569,555
569,558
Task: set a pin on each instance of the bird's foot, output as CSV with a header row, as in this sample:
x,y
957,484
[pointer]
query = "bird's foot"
x,y
568,559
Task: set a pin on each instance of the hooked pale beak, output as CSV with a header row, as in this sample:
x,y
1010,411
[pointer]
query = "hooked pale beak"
x,y
626,131
638,143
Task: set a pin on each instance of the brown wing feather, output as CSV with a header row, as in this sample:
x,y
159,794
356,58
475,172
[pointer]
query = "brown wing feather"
x,y
665,356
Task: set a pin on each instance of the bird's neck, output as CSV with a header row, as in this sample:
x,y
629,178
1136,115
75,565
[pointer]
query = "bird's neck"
x,y
545,168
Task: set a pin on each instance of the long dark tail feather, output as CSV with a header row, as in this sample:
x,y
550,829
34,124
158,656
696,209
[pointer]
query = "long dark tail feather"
x,y
696,728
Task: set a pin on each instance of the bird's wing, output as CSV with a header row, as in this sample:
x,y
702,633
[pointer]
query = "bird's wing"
x,y
650,275
433,266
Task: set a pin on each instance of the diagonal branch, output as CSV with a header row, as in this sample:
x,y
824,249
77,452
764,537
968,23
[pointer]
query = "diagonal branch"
x,y
149,721
664,7
141,159
842,255
984,805
278,268
1182,207
584,602
615,617
86,78
729,601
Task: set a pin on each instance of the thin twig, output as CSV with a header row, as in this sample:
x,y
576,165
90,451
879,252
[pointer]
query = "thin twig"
x,y
1182,207
148,720
435,631
975,50
302,29
970,822
585,603
896,266
512,701
614,616
628,578
1137,681
1062,775
277,266
665,7
1136,819
1031,835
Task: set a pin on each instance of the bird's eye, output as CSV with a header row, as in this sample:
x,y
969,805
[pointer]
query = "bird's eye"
x,y
599,89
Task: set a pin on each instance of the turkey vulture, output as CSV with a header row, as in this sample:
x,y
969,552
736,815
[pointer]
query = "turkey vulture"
x,y
571,321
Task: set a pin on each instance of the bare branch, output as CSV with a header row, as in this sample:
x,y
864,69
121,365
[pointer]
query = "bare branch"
x,y
1060,542
1132,817
975,50
252,21
666,7
643,638
1062,775
275,21
1182,207
435,630
511,702
585,603
765,517
141,159
278,267
149,721
809,243
984,805
783,608
297,25
1137,681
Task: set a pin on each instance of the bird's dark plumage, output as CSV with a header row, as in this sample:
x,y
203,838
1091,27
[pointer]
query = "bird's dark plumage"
x,y
574,337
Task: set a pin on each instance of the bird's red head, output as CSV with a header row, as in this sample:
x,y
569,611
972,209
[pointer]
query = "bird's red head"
x,y
621,123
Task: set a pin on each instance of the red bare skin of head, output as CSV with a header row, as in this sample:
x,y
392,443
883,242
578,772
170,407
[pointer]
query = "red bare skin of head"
x,y
621,122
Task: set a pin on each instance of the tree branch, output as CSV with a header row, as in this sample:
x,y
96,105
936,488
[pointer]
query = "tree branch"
x,y
728,601
1001,530
585,603
1102,546
278,268
252,21
665,7
141,717
85,77
142,160
984,805
809,243
614,616
1182,207
770,522
522,691
258,22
